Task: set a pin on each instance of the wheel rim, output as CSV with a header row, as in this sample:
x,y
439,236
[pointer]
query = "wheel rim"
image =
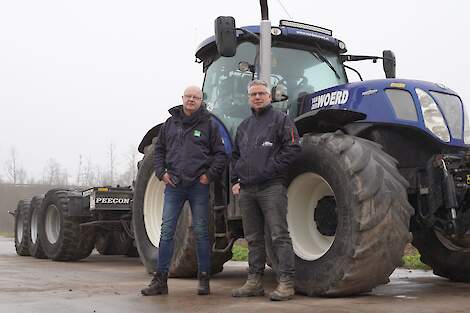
x,y
52,224
303,193
34,226
19,227
462,244
153,209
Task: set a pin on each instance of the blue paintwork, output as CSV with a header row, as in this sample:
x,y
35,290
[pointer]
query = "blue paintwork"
x,y
225,136
287,33
377,106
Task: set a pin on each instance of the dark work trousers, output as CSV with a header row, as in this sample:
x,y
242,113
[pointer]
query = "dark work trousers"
x,y
260,204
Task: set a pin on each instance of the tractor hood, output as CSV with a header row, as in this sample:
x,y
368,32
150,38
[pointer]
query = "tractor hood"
x,y
431,107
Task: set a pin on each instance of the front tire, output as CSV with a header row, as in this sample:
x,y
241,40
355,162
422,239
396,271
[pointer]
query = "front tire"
x,y
348,215
446,258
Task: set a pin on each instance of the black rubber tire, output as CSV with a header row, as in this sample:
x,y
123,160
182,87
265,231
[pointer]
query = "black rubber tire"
x,y
184,261
86,243
72,244
112,243
373,215
35,246
444,262
132,251
22,230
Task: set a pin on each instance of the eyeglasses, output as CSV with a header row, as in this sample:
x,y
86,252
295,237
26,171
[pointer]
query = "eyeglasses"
x,y
260,93
192,97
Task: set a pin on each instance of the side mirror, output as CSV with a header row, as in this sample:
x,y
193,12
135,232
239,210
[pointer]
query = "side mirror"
x,y
389,63
225,36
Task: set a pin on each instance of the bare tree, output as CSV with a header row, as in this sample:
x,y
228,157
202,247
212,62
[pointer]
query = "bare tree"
x,y
21,176
11,166
130,171
53,174
79,171
111,163
89,175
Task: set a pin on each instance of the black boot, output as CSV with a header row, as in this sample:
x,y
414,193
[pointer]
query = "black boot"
x,y
158,285
203,287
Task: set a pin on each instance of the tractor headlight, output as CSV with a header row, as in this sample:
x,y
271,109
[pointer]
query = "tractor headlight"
x,y
433,119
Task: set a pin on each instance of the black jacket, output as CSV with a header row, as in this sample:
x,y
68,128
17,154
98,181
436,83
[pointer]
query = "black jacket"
x,y
266,144
188,147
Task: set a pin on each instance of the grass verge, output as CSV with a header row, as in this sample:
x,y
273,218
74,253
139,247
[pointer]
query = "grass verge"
x,y
240,252
411,259
5,234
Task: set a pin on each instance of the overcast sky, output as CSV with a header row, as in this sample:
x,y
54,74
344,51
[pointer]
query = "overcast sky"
x,y
78,75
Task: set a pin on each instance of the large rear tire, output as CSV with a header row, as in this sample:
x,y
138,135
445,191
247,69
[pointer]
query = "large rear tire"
x,y
147,219
348,215
447,258
35,246
22,228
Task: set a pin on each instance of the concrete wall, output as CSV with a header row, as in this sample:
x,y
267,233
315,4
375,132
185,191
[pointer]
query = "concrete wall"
x,y
9,197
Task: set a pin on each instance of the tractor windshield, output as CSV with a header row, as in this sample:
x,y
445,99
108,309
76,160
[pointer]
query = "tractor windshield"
x,y
298,71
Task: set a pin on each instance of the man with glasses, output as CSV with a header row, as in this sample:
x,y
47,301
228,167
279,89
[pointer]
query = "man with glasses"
x,y
266,144
189,154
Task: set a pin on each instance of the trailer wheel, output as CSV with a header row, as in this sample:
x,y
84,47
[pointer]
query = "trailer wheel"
x,y
22,227
86,243
447,258
348,215
147,218
60,234
35,246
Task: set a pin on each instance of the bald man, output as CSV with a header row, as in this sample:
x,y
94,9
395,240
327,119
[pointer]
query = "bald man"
x,y
189,154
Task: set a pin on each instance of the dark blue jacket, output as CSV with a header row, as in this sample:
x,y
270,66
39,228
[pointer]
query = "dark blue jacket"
x,y
266,144
188,147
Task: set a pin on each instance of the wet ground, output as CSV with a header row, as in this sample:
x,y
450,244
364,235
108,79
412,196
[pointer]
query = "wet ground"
x,y
112,284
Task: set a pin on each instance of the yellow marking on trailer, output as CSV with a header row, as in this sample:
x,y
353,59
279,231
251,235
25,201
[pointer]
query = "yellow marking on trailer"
x,y
103,189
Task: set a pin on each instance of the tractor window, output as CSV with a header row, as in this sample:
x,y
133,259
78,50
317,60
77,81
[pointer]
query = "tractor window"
x,y
225,87
298,71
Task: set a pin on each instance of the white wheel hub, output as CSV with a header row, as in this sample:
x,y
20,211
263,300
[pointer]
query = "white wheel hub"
x,y
19,227
153,209
303,193
34,225
52,224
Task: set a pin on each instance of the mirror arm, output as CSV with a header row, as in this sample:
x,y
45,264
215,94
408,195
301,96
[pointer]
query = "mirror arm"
x,y
354,70
248,34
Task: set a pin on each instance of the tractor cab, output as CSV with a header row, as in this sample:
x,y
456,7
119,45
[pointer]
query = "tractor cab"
x,y
303,61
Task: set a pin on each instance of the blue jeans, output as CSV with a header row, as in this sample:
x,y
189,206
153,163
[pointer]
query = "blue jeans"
x,y
198,196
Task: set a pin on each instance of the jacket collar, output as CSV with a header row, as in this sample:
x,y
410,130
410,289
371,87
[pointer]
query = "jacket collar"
x,y
262,110
178,113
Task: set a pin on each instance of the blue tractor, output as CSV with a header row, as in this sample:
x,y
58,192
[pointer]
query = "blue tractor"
x,y
384,162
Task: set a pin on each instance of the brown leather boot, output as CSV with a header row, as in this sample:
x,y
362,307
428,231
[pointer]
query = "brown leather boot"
x,y
285,289
203,287
158,285
253,287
